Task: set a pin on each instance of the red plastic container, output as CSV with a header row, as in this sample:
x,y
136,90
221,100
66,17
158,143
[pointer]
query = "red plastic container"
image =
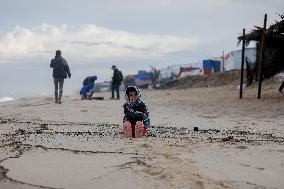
x,y
137,130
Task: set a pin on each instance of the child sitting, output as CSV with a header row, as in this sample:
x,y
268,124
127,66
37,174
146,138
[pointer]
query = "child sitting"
x,y
136,116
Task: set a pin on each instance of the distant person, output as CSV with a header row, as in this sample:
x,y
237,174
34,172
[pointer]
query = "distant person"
x,y
136,115
87,90
117,78
154,77
281,87
60,72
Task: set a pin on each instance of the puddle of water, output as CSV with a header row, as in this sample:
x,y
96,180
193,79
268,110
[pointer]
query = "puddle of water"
x,y
60,169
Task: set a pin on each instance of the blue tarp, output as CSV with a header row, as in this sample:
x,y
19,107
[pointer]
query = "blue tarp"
x,y
146,75
212,64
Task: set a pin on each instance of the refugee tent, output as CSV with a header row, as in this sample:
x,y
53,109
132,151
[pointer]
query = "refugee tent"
x,y
234,58
142,79
211,66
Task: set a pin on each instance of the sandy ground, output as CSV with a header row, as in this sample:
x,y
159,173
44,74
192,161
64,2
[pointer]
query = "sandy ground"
x,y
79,145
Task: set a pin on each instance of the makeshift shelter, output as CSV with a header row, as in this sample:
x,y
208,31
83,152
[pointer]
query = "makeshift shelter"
x,y
233,59
211,66
142,79
269,51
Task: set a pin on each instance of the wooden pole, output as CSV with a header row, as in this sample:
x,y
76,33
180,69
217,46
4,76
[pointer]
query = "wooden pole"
x,y
243,62
223,59
261,56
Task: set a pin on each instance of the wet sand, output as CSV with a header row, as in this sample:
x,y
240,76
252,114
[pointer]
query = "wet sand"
x,y
79,144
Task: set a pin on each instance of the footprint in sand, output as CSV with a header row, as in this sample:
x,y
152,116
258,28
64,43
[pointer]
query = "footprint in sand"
x,y
242,147
260,168
245,165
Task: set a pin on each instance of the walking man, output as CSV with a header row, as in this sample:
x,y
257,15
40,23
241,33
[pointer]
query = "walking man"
x,y
60,72
117,78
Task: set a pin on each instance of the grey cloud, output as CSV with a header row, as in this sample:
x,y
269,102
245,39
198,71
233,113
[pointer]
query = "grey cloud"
x,y
41,51
91,44
84,43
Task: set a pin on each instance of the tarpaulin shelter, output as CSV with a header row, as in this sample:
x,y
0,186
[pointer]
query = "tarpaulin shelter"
x,y
270,51
211,66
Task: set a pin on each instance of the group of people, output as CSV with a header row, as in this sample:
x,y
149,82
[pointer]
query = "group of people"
x,y
136,114
61,71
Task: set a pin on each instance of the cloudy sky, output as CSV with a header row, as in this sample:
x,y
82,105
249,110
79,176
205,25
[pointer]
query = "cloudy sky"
x,y
133,34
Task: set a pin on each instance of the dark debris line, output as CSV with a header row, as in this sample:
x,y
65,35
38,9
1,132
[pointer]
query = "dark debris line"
x,y
38,127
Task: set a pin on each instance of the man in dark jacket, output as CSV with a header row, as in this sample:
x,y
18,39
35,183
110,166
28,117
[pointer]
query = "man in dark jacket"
x,y
117,78
60,72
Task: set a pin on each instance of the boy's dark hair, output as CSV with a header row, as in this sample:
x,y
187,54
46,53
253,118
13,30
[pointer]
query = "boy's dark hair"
x,y
130,89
